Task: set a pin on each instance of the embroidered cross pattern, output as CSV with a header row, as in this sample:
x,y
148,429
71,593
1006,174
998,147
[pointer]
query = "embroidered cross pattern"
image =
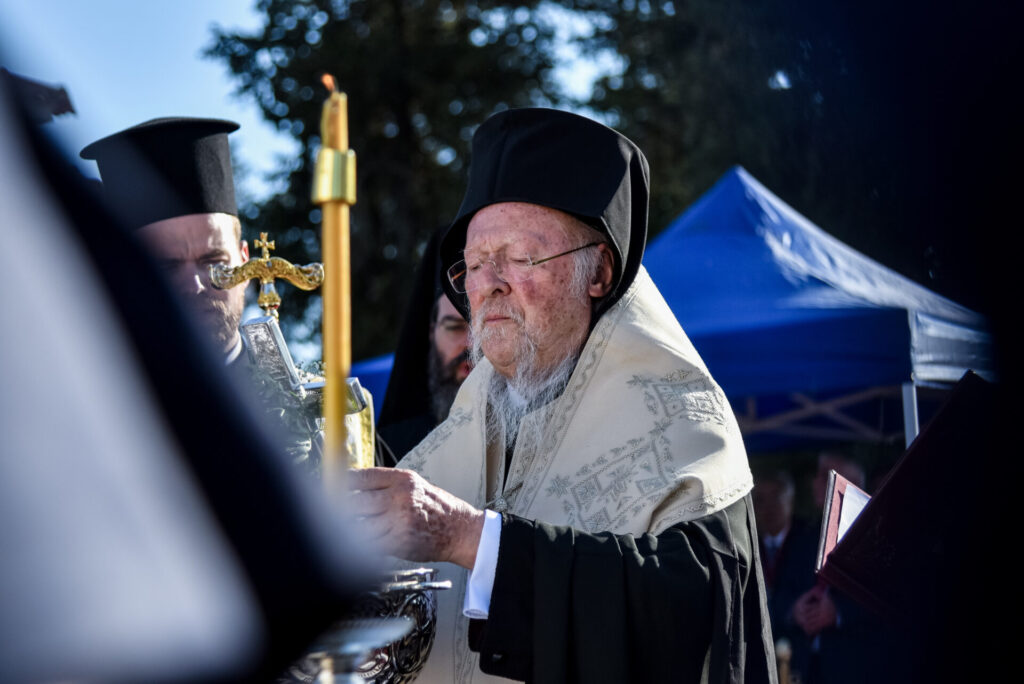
x,y
559,486
698,400
435,439
616,483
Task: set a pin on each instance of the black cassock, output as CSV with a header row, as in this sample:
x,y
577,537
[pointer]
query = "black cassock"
x,y
687,605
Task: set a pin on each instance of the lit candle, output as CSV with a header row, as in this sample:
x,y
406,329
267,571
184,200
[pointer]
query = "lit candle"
x,y
334,190
334,118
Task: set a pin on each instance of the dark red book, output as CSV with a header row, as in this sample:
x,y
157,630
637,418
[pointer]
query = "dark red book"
x,y
903,555
844,502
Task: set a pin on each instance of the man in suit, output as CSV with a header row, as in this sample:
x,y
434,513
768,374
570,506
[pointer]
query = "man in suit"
x,y
773,496
834,639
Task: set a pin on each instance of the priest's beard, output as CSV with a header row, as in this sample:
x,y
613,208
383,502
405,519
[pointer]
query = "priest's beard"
x,y
510,399
221,317
442,383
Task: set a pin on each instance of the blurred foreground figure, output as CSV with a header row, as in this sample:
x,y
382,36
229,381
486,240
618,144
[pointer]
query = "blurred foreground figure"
x,y
148,532
590,474
171,180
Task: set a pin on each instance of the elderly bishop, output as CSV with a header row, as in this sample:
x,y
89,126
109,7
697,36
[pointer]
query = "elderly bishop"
x,y
588,494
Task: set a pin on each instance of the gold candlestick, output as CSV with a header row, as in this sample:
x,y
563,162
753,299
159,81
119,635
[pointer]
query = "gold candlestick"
x,y
334,189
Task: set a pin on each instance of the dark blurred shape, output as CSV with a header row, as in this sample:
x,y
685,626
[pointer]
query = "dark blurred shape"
x,y
148,528
773,510
912,555
40,101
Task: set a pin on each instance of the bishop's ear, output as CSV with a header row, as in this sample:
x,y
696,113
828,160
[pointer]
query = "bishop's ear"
x,y
601,282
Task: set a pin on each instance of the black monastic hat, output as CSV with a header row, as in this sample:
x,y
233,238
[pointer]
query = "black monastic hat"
x,y
562,161
167,167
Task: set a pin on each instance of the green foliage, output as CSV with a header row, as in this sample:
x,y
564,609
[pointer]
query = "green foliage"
x,y
420,76
772,86
844,111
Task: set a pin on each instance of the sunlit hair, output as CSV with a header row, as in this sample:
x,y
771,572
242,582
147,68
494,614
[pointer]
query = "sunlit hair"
x,y
586,262
585,266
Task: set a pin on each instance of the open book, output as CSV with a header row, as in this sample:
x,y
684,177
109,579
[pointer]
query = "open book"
x,y
844,502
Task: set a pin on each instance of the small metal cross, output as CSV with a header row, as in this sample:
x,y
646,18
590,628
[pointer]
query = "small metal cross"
x,y
266,269
265,245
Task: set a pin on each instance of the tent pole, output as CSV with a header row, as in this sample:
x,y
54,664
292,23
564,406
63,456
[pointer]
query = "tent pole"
x,y
910,424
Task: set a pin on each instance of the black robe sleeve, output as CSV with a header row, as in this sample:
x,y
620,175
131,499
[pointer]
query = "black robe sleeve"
x,y
684,606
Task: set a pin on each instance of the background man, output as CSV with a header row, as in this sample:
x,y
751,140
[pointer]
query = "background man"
x,y
431,361
170,179
619,542
773,509
833,638
449,362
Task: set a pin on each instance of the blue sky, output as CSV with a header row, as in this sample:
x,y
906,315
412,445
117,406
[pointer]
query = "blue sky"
x,y
126,61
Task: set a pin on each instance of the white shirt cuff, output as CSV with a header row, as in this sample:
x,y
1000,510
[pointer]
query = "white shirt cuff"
x,y
477,602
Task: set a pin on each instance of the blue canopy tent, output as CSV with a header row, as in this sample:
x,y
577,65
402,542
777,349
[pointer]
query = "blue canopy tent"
x,y
373,375
805,335
797,327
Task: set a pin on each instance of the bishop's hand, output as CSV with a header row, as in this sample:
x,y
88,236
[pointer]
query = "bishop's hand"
x,y
410,518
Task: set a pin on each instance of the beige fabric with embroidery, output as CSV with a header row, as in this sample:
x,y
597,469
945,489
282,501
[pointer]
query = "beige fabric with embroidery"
x,y
641,439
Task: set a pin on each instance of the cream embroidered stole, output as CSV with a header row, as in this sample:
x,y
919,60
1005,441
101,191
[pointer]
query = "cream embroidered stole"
x,y
641,439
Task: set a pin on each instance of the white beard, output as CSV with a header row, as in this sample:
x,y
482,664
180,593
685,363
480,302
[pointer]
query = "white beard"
x,y
510,399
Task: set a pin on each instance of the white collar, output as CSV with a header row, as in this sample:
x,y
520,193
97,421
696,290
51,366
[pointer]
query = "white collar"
x,y
234,352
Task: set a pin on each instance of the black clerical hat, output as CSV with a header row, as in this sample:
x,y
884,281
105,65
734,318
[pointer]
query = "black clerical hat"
x,y
167,167
562,161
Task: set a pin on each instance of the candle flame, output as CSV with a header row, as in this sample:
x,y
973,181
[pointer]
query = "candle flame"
x,y
328,82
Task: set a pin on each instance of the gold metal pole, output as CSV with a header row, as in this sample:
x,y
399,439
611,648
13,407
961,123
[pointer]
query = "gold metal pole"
x,y
334,189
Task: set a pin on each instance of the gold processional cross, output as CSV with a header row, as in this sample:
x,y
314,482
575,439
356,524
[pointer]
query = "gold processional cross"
x,y
267,269
269,351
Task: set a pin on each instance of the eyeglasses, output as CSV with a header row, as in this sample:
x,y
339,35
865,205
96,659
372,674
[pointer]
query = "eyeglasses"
x,y
468,276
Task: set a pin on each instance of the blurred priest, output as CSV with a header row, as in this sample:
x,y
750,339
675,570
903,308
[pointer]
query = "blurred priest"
x,y
171,181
